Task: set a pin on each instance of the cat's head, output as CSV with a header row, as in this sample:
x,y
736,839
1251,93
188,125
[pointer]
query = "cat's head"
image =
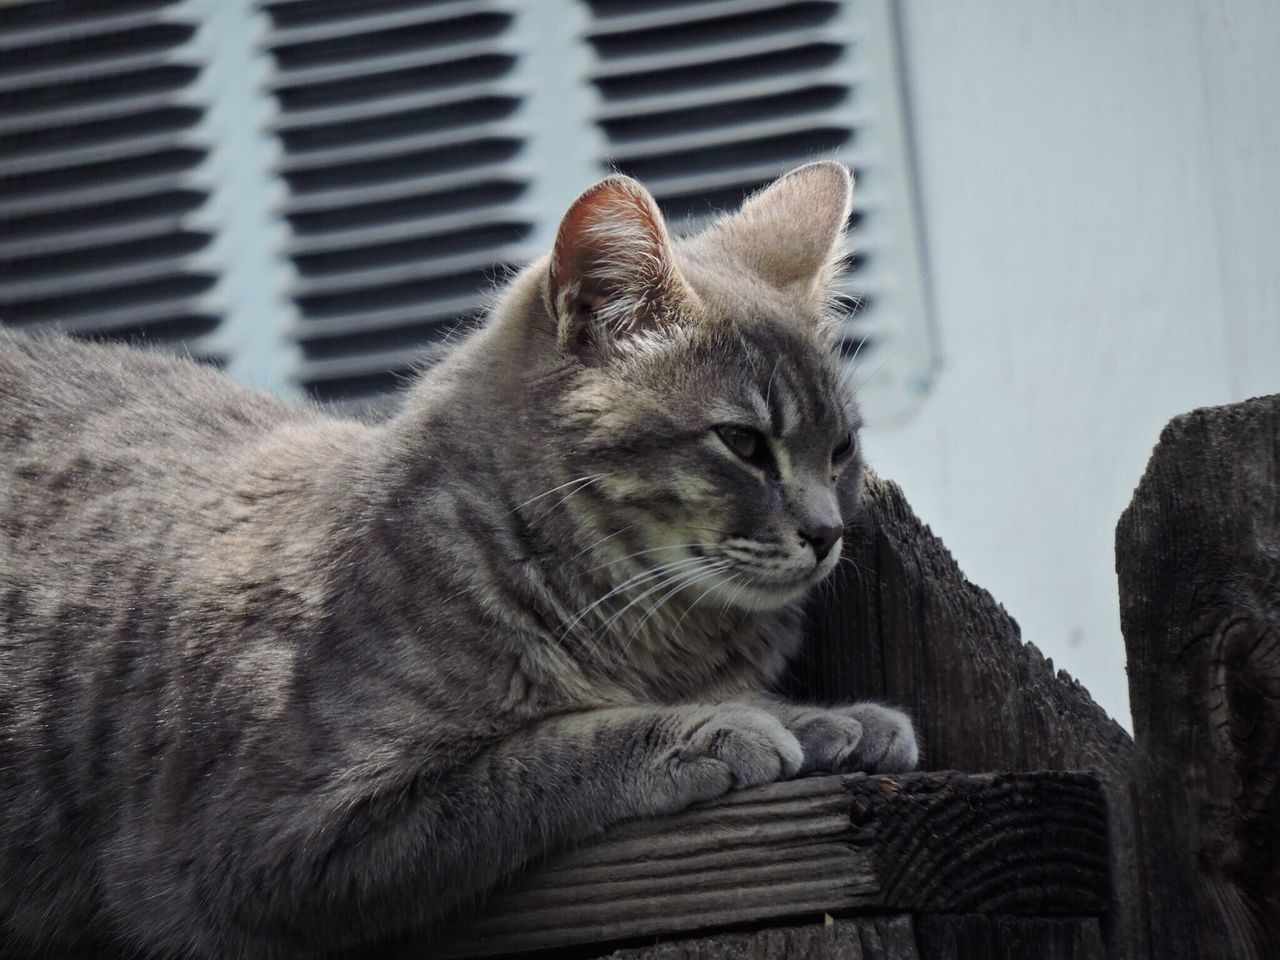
x,y
705,392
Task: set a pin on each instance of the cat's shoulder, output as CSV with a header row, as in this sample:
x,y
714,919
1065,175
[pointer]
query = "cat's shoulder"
x,y
53,374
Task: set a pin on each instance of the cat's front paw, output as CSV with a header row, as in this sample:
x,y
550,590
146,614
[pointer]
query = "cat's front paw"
x,y
888,743
725,748
829,738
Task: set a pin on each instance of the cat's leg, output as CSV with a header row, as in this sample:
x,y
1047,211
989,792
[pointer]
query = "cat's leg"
x,y
391,862
859,737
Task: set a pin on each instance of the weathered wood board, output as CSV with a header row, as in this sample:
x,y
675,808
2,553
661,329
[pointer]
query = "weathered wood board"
x,y
900,937
870,938
902,624
1198,556
1009,844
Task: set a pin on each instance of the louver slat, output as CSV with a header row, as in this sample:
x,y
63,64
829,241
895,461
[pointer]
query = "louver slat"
x,y
46,26
341,206
100,189
400,144
360,25
87,237
129,140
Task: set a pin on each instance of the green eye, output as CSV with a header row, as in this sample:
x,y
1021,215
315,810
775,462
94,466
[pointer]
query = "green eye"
x,y
843,448
749,444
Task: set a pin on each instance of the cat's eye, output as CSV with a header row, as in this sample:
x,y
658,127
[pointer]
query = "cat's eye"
x,y
843,448
749,444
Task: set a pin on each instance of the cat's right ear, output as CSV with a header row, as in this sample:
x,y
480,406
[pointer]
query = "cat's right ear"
x,y
612,276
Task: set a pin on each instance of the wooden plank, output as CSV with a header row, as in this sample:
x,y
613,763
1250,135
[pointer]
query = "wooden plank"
x,y
901,937
862,938
1198,555
903,625
929,842
979,937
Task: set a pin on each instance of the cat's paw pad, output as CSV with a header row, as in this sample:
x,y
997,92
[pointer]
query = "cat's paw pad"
x,y
888,743
727,748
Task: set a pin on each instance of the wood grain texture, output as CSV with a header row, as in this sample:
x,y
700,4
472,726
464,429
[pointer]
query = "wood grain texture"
x,y
1198,556
904,625
901,937
979,937
1006,843
936,842
863,938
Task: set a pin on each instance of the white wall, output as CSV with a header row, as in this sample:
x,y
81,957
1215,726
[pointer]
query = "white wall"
x,y
1102,216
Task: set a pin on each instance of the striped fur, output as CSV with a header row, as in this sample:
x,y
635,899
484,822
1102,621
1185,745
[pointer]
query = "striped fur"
x,y
274,683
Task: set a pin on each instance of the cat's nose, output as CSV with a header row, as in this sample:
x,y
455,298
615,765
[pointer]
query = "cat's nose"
x,y
822,539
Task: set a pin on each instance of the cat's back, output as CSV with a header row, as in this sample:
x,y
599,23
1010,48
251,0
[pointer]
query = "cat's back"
x,y
99,442
55,389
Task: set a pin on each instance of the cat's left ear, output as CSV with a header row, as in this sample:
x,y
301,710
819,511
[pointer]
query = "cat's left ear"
x,y
612,275
791,233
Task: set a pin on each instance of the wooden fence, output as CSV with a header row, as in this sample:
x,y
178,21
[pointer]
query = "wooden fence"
x,y
1063,839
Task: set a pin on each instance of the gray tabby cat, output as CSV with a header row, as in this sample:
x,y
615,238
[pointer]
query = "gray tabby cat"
x,y
273,682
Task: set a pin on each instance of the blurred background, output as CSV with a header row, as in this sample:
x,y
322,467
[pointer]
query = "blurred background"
x,y
1067,223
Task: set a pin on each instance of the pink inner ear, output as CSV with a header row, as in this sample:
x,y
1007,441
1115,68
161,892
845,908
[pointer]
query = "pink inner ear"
x,y
610,241
611,273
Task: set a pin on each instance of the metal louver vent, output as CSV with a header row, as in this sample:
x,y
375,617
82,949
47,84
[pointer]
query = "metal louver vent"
x,y
100,193
708,100
397,121
314,192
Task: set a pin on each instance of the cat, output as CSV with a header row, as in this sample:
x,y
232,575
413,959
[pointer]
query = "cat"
x,y
274,682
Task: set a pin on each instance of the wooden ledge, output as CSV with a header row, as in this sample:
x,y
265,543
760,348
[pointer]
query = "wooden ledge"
x,y
1031,844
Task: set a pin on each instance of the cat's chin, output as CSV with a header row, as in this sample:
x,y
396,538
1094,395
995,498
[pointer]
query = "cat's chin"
x,y
761,596
765,597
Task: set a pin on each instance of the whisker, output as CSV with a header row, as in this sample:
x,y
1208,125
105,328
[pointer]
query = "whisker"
x,y
640,553
649,592
616,533
698,577
717,530
576,490
858,571
768,390
641,577
684,584
861,343
689,609
880,366
746,581
584,481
